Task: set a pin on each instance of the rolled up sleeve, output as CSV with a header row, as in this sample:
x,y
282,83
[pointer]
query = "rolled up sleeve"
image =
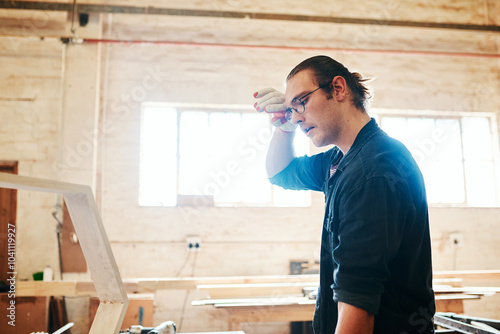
x,y
369,234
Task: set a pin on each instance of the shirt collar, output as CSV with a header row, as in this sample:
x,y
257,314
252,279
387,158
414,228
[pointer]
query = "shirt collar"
x,y
369,130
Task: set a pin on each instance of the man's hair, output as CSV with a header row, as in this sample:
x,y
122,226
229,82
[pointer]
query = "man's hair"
x,y
326,68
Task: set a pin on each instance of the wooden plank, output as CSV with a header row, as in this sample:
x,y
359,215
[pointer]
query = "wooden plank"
x,y
250,301
95,245
481,290
274,303
254,290
101,263
109,317
460,296
39,288
240,302
493,275
63,288
153,284
42,185
88,288
451,305
452,281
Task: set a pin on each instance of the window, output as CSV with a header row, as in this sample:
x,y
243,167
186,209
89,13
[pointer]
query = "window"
x,y
457,155
214,151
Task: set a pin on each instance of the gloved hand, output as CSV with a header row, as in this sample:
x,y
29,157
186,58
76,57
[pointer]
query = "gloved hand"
x,y
272,101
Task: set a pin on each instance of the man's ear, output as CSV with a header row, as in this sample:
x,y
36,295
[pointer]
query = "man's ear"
x,y
340,89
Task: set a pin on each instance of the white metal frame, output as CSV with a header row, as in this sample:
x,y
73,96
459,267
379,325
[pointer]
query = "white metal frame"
x,y
95,246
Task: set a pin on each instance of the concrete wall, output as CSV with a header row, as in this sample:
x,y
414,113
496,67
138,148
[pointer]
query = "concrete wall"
x,y
57,100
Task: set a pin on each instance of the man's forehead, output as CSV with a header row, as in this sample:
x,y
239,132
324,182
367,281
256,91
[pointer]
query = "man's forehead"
x,y
299,84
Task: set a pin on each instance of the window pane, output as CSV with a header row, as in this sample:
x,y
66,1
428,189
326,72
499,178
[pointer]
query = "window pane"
x,y
476,138
442,165
444,181
252,151
420,142
193,153
446,137
396,128
291,198
246,153
158,163
480,180
248,185
194,126
224,131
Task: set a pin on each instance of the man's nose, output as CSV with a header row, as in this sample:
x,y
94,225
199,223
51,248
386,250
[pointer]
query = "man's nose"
x,y
297,118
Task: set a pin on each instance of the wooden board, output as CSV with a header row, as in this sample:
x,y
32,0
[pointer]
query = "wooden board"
x,y
145,285
40,288
95,245
254,290
493,275
133,316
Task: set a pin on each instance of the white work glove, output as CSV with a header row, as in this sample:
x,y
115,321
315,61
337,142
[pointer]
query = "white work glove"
x,y
272,101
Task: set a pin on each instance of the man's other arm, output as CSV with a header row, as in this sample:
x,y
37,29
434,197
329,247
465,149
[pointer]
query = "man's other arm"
x,y
353,320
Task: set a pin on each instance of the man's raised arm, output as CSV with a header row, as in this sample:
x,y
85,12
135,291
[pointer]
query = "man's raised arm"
x,y
280,152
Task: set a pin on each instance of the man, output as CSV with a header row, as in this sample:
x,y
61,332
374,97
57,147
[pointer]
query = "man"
x,y
375,269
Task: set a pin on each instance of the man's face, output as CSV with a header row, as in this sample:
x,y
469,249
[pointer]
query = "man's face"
x,y
321,119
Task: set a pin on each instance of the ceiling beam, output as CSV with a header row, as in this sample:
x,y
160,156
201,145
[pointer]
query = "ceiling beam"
x,y
119,9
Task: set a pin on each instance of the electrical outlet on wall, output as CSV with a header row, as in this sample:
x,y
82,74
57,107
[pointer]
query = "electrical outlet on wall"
x,y
193,243
456,239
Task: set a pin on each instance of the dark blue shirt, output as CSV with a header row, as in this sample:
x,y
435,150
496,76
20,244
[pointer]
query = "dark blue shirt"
x,y
375,247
